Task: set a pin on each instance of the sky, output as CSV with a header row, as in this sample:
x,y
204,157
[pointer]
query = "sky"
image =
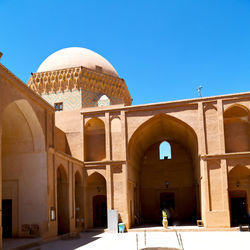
x,y
163,49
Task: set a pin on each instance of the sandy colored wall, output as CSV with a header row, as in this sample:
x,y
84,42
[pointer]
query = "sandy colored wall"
x,y
61,142
70,122
70,166
30,194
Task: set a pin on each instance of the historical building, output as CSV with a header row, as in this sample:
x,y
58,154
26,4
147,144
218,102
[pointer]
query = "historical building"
x,y
73,146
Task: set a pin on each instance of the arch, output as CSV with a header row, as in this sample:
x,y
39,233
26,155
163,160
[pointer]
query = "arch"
x,y
210,106
236,129
165,150
78,199
103,101
157,182
239,171
78,178
20,121
23,164
96,206
236,110
62,201
239,194
62,176
161,127
94,140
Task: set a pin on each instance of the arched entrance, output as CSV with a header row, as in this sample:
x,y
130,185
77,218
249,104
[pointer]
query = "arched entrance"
x,y
170,182
62,201
23,171
96,201
239,189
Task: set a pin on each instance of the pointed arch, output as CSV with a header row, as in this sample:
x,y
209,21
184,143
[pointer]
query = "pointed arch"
x,y
94,140
96,196
158,128
21,124
23,161
236,110
155,181
239,190
236,129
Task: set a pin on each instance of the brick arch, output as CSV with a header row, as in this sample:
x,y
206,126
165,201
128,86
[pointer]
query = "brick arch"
x,y
157,180
96,195
94,140
23,109
236,129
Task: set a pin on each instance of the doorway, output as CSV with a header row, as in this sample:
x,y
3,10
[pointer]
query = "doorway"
x,y
7,218
167,202
100,211
239,214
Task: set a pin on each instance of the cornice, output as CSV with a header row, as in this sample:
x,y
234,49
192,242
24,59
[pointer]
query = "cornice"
x,y
172,104
79,78
226,156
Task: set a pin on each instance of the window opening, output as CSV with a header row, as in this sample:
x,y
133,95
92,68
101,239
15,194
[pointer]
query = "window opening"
x,y
98,68
59,106
103,101
165,150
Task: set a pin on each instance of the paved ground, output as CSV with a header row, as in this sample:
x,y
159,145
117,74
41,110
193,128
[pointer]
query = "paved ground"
x,y
191,241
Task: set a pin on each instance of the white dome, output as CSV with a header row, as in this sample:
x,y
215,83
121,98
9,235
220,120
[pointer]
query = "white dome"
x,y
76,57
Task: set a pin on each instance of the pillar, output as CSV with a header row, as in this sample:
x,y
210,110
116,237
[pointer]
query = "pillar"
x,y
203,169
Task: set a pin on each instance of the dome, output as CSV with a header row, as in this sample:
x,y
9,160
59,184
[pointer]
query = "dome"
x,y
76,57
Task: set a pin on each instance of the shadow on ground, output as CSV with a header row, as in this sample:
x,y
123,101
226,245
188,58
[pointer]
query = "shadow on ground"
x,y
67,243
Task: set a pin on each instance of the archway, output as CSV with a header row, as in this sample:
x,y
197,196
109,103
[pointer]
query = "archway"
x,y
236,126
23,171
168,183
96,201
78,199
239,195
62,201
94,140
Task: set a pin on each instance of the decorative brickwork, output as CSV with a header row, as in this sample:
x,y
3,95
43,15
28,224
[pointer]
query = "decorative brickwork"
x,y
71,99
62,85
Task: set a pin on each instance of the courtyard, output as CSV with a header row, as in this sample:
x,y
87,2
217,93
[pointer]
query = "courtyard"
x,y
106,241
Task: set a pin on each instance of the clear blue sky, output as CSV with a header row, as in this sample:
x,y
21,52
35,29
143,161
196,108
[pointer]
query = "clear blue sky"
x,y
163,49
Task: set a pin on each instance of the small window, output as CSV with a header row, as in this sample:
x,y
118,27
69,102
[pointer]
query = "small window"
x,y
98,68
103,101
59,106
165,150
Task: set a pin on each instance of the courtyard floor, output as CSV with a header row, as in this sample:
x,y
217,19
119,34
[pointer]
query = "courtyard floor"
x,y
191,241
